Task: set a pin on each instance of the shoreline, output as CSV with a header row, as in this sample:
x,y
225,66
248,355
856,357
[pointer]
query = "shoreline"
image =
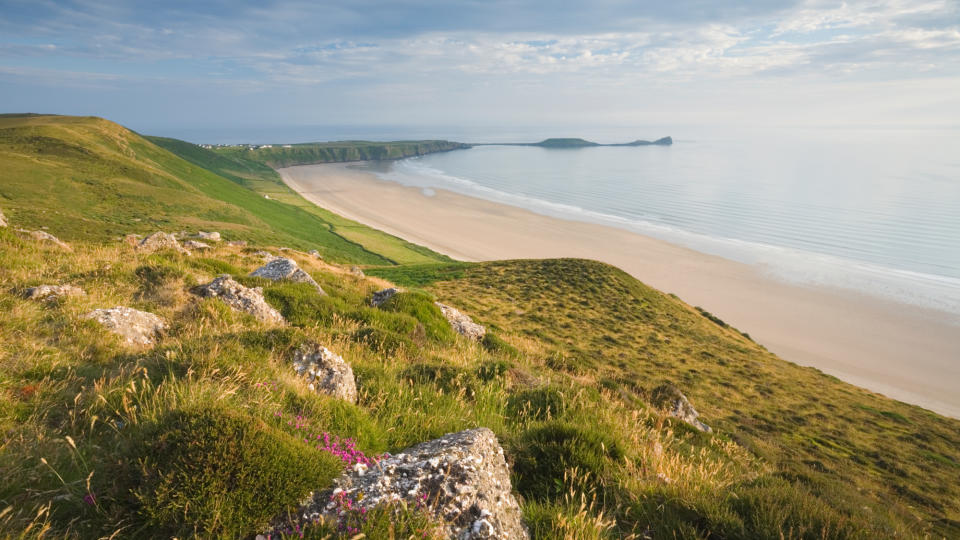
x,y
905,352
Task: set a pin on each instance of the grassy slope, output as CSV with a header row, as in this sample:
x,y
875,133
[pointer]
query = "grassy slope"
x,y
564,381
90,178
257,176
867,455
312,153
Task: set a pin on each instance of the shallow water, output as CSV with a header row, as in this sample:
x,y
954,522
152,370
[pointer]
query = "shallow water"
x,y
876,211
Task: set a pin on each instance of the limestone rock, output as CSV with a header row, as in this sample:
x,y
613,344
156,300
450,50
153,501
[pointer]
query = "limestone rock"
x,y
672,400
241,298
380,297
3,219
355,270
281,268
325,372
461,479
137,328
315,253
45,237
237,243
265,255
160,241
193,244
462,323
52,292
210,236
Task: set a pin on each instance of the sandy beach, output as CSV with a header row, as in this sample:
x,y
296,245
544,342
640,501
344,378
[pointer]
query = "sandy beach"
x,y
905,352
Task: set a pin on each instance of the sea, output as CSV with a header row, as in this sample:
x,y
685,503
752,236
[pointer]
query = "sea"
x,y
870,210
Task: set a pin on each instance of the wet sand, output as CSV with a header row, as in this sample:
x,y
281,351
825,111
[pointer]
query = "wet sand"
x,y
905,352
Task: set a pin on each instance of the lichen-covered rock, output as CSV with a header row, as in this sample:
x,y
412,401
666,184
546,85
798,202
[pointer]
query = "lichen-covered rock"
x,y
672,400
137,328
355,270
198,246
210,236
51,292
237,243
246,299
265,255
325,372
315,253
380,297
3,219
160,241
45,237
461,479
281,268
462,323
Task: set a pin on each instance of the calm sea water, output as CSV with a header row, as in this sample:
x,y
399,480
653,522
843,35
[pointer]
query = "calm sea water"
x,y
876,211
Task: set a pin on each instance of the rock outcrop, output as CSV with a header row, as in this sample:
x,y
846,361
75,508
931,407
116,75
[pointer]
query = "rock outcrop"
x,y
160,241
52,292
380,297
462,323
246,299
325,372
209,236
47,238
461,479
197,246
672,400
281,268
137,328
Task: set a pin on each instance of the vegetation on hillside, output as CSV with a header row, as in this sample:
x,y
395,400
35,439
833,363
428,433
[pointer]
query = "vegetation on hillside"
x,y
202,434
88,178
336,152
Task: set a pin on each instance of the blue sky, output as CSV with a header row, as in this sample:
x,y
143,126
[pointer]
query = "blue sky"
x,y
154,65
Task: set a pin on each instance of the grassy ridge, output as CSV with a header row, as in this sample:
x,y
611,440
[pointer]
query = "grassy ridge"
x,y
88,178
334,152
254,175
873,459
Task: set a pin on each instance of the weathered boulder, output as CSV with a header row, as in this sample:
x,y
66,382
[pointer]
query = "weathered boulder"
x,y
281,268
3,219
325,372
193,244
246,299
210,236
45,237
52,292
462,323
315,253
380,297
672,400
265,255
355,270
160,241
137,328
461,479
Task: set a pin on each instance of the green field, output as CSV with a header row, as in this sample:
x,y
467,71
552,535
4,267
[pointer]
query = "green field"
x,y
182,440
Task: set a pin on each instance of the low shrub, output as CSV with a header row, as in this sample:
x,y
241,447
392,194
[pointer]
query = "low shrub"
x,y
213,473
545,452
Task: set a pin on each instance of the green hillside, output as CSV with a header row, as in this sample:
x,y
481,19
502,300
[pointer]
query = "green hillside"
x,y
88,178
334,152
188,438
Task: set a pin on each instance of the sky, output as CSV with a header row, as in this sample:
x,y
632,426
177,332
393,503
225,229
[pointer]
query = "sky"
x,y
157,66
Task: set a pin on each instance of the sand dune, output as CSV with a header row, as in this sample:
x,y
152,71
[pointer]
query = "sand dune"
x,y
905,352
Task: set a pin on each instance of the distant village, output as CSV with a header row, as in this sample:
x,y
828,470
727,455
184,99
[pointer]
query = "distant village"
x,y
247,146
